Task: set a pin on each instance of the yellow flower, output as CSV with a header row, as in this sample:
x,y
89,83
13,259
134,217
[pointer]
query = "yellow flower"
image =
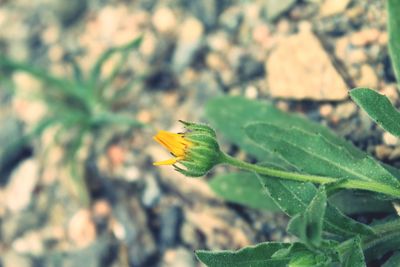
x,y
175,143
196,150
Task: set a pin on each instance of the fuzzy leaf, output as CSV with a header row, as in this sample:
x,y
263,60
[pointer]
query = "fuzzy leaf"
x,y
378,108
308,225
354,257
393,7
312,153
242,188
254,256
294,197
393,261
237,112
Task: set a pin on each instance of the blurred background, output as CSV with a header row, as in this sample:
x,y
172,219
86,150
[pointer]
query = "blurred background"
x,y
84,85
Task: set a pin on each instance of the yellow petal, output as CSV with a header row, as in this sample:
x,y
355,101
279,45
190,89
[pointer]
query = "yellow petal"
x,y
166,162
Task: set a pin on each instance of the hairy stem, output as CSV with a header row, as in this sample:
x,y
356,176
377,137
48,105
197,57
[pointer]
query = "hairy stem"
x,y
301,177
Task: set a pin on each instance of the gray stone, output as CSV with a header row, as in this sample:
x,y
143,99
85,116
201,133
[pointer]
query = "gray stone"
x,y
276,8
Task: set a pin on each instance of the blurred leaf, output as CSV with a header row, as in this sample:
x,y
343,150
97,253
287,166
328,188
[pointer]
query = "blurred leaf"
x,y
354,256
237,112
308,225
242,188
255,256
361,203
314,154
96,70
386,239
393,261
294,197
393,7
301,256
59,84
378,108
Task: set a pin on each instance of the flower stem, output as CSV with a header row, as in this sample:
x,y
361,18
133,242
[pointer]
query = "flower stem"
x,y
301,177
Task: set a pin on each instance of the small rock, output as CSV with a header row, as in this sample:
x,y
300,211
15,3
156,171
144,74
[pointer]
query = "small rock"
x,y
333,7
189,41
12,259
325,110
291,73
29,243
164,20
132,174
383,151
22,183
390,139
81,229
368,77
251,92
356,56
391,92
102,209
179,257
345,110
116,155
365,37
275,8
152,192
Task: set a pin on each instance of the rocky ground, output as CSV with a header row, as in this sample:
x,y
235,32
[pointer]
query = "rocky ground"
x,y
302,55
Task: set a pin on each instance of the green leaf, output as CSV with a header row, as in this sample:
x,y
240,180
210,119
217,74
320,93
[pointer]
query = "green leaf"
x,y
393,7
243,188
354,256
294,197
96,70
314,154
378,108
308,225
361,203
254,256
386,239
237,112
393,261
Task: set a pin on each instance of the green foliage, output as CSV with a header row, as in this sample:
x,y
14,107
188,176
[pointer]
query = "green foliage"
x,y
328,159
79,106
242,188
296,151
378,108
255,256
308,225
393,7
393,261
354,256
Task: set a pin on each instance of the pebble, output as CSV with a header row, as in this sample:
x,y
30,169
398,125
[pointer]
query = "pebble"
x,y
325,110
179,257
30,243
164,20
275,8
364,37
333,7
81,229
13,259
290,74
383,151
368,77
345,110
391,92
19,190
189,40
101,209
152,192
390,139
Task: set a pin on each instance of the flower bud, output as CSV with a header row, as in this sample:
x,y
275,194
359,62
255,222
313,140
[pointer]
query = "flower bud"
x,y
196,150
